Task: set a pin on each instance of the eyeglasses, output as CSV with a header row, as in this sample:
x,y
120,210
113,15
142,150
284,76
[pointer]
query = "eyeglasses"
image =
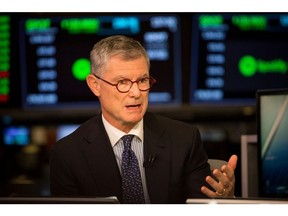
x,y
124,85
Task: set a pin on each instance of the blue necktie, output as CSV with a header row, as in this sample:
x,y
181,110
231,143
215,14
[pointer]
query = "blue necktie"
x,y
131,177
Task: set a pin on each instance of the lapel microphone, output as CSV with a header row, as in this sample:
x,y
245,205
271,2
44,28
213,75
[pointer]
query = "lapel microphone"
x,y
148,163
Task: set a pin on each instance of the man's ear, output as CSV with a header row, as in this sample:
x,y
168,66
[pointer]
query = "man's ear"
x,y
93,84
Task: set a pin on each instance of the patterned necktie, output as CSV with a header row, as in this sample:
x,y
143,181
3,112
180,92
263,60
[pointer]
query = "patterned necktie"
x,y
131,177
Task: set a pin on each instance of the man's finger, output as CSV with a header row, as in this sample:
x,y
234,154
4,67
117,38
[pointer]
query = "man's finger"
x,y
233,162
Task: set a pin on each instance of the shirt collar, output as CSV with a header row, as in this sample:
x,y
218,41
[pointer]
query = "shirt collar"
x,y
115,134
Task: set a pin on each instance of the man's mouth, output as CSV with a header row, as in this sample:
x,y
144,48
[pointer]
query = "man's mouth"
x,y
133,106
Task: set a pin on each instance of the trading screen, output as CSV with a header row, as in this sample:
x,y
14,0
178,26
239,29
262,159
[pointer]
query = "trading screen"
x,y
234,54
44,57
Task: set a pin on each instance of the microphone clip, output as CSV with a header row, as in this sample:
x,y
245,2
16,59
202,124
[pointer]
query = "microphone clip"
x,y
148,163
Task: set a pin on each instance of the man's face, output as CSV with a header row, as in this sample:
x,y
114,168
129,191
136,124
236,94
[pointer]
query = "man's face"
x,y
123,110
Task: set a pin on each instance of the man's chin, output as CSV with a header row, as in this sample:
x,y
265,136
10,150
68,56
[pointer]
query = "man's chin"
x,y
134,118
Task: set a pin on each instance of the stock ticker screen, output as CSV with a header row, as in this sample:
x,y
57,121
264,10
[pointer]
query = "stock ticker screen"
x,y
234,54
44,57
5,60
55,49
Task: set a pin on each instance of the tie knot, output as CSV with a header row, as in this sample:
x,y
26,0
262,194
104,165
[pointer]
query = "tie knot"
x,y
127,140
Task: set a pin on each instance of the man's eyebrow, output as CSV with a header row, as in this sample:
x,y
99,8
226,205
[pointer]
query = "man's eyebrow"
x,y
120,77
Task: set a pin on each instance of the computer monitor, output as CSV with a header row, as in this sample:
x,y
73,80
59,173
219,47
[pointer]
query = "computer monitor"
x,y
55,49
18,135
234,54
272,135
9,62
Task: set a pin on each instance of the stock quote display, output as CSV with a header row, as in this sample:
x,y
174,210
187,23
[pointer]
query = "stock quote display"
x,y
5,60
55,50
233,55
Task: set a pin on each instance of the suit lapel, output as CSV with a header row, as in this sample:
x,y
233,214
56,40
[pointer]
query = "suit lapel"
x,y
102,163
101,160
156,144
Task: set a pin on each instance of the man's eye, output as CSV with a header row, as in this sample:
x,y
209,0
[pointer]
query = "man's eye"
x,y
124,82
144,80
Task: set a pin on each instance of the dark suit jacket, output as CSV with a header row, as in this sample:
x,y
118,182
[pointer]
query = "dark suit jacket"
x,y
83,163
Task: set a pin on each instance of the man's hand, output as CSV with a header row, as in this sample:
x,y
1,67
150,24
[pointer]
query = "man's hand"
x,y
225,185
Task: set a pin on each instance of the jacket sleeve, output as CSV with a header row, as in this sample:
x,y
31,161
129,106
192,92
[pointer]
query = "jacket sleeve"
x,y
196,168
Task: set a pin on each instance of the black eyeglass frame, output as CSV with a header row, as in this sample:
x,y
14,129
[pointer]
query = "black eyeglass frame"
x,y
151,80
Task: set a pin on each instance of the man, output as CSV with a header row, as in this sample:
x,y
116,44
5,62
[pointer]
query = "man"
x,y
173,163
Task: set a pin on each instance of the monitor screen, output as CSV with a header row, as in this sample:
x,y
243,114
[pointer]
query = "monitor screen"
x,y
64,130
272,122
55,50
234,54
9,62
4,58
16,135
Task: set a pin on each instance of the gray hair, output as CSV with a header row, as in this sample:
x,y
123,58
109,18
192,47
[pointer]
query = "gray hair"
x,y
124,47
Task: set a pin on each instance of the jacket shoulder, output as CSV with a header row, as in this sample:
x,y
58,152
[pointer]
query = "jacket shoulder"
x,y
168,123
